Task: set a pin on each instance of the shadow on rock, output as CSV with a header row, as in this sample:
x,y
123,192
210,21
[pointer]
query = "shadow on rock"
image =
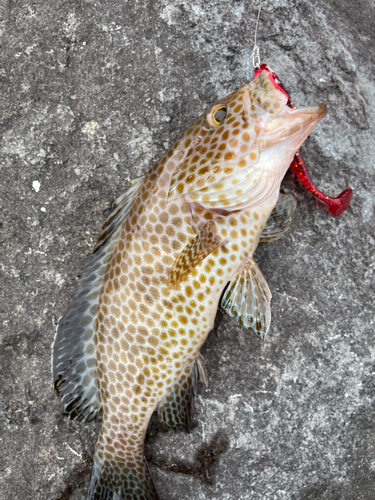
x,y
207,456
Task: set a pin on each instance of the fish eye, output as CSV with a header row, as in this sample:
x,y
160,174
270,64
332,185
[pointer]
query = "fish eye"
x,y
220,115
217,115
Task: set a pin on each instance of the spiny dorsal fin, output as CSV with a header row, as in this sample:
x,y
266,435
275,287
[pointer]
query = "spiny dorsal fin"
x,y
281,216
118,216
247,299
202,245
177,408
73,350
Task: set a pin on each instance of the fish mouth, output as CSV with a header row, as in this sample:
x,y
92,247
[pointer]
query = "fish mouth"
x,y
292,127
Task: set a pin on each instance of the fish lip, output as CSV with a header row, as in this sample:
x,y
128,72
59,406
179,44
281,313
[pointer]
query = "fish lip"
x,y
323,110
308,115
315,113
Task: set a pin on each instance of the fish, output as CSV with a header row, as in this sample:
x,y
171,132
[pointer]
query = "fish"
x,y
179,244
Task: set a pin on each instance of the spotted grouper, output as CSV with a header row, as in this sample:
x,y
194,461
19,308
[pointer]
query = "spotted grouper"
x,y
130,342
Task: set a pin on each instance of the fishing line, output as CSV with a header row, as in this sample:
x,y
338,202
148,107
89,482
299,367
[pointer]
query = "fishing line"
x,y
255,53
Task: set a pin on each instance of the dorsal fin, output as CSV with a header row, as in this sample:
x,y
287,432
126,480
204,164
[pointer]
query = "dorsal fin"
x,y
118,216
176,410
73,351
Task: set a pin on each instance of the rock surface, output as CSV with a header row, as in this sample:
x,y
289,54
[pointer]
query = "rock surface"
x,y
92,93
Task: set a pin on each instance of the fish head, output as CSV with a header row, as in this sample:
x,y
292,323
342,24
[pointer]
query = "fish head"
x,y
247,138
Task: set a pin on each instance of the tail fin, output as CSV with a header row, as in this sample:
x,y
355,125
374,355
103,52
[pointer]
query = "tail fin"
x,y
117,478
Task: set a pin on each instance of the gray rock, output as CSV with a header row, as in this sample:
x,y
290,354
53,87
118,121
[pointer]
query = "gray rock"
x,y
92,93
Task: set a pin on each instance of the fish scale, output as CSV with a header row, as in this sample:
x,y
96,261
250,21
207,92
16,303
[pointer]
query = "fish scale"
x,y
180,234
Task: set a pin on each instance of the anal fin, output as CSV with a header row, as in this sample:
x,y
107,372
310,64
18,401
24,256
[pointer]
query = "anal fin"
x,y
247,299
281,216
176,410
197,250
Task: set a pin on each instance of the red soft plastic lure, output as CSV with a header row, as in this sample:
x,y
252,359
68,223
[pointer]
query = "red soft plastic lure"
x,y
336,205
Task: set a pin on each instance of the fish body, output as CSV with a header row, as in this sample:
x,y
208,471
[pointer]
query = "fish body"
x,y
130,342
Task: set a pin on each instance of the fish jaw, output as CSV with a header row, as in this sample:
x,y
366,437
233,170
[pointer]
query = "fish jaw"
x,y
282,129
292,126
283,134
282,120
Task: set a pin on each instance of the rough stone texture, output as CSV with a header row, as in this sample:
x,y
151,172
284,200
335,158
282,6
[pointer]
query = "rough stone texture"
x,y
92,93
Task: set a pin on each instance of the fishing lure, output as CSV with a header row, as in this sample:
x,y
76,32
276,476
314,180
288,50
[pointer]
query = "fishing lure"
x,y
130,341
336,205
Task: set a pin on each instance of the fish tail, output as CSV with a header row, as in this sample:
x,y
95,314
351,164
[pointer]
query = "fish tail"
x,y
117,478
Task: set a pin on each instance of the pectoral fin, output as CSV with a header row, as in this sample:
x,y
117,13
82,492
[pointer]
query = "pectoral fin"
x,y
247,299
281,216
197,250
176,410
